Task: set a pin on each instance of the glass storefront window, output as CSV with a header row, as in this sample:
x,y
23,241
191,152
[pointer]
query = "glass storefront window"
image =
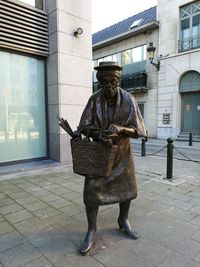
x,y
22,108
126,57
137,54
117,58
35,3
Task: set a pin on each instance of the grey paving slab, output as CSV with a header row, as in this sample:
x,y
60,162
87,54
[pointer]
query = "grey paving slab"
x,y
52,187
40,262
26,200
56,248
59,203
196,209
72,195
196,236
186,216
37,205
10,240
35,230
196,221
41,192
61,191
166,216
46,212
71,209
176,260
197,258
169,231
10,208
77,261
20,194
194,193
50,197
129,253
18,216
2,195
5,227
6,201
19,255
195,200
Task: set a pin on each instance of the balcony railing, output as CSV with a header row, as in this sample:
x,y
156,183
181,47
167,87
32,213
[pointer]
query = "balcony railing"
x,y
189,43
135,82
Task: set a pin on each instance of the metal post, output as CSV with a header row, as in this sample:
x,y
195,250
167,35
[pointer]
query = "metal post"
x,y
146,136
143,147
190,139
170,147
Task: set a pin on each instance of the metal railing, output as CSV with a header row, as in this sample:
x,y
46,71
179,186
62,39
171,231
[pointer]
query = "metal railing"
x,y
134,82
189,43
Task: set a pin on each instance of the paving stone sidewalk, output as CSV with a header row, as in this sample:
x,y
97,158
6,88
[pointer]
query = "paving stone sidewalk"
x,y
42,219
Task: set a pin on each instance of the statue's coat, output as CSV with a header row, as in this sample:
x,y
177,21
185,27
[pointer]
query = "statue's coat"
x,y
121,184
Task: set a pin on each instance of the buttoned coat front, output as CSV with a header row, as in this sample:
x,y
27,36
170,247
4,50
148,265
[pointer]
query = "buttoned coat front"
x,y
121,185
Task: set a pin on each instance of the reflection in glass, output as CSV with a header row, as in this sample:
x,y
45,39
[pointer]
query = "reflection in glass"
x,y
22,108
196,31
35,3
126,57
137,54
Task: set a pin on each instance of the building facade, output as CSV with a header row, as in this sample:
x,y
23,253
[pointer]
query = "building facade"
x,y
42,77
170,97
126,42
179,75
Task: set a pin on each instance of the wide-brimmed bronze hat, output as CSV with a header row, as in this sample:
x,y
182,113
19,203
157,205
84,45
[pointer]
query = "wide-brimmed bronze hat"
x,y
108,65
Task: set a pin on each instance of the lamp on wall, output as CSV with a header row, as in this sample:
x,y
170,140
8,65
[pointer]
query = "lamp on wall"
x,y
77,32
151,51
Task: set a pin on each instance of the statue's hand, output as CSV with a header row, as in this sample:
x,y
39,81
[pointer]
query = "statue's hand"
x,y
115,129
76,135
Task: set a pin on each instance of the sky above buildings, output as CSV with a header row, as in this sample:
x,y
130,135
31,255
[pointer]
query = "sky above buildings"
x,y
109,12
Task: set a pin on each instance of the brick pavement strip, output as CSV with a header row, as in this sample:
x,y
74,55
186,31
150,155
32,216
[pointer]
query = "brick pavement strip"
x,y
166,216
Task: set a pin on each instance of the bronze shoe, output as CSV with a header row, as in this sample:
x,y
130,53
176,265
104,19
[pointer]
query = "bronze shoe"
x,y
125,227
87,243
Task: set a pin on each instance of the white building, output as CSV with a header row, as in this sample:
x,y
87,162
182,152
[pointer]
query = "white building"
x,y
179,75
170,98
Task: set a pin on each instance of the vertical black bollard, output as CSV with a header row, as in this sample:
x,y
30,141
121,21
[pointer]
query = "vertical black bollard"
x,y
190,139
170,147
143,147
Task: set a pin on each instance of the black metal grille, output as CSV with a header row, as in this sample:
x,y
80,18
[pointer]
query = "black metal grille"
x,y
135,82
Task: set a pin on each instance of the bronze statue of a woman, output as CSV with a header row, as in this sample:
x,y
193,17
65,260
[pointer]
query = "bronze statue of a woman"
x,y
115,110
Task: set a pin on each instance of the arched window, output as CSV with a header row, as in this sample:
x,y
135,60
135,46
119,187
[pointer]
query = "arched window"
x,y
190,82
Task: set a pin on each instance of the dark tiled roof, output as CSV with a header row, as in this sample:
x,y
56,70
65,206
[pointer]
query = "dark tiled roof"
x,y
123,26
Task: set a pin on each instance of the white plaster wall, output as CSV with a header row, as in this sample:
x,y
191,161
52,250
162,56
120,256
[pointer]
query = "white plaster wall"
x,y
169,98
150,98
168,16
69,70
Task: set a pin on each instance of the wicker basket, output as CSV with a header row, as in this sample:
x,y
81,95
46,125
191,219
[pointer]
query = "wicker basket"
x,y
92,158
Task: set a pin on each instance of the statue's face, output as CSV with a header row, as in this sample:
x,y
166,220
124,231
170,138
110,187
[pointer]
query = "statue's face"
x,y
109,84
